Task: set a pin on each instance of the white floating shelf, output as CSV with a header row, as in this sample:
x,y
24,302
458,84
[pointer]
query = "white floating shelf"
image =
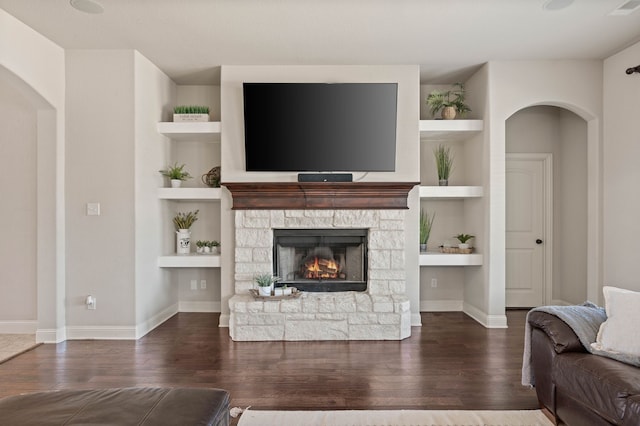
x,y
190,261
450,192
446,259
449,129
190,194
197,131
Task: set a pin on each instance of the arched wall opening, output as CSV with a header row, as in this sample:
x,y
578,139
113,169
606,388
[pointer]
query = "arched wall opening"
x,y
30,301
547,129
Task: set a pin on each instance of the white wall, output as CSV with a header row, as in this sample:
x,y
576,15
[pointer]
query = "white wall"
x,y
156,297
35,65
100,169
512,86
621,172
18,176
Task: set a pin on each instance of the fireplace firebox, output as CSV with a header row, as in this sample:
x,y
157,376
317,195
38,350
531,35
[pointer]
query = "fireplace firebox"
x,y
321,260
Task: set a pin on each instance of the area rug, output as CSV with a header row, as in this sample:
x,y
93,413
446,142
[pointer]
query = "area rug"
x,y
12,345
394,418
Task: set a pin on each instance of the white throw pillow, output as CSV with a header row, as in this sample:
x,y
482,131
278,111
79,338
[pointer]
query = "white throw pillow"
x,y
619,334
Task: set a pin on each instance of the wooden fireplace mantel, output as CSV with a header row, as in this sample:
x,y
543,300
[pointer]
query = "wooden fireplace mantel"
x,y
319,195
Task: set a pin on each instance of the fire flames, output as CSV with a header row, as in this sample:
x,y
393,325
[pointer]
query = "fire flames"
x,y
318,268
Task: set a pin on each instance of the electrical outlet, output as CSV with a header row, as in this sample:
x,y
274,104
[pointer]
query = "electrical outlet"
x,y
434,282
90,301
194,284
203,284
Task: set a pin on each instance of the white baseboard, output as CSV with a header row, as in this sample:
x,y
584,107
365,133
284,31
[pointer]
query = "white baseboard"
x,y
51,335
18,327
441,305
199,306
156,320
416,320
489,321
101,332
224,320
111,332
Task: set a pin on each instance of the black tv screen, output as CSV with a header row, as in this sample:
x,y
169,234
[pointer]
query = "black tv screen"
x,y
291,127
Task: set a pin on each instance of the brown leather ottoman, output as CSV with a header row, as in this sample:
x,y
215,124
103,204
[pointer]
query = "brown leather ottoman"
x,y
122,406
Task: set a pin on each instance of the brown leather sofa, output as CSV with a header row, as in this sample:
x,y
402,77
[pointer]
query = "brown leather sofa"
x,y
122,406
577,387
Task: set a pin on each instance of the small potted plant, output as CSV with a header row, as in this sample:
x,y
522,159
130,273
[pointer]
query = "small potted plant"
x,y
265,283
450,102
176,174
200,246
444,163
282,290
214,246
463,238
190,113
426,221
183,223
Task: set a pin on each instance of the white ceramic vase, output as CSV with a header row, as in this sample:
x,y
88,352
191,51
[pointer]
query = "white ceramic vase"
x,y
265,291
183,241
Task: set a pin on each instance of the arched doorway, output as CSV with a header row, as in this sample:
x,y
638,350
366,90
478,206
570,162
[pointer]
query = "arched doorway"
x,y
561,248
34,301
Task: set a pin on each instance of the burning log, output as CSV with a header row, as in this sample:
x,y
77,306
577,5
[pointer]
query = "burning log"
x,y
320,268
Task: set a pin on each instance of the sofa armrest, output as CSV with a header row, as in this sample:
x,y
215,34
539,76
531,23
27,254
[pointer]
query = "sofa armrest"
x,y
561,335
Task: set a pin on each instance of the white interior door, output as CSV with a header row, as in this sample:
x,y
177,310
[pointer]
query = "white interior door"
x,y
528,224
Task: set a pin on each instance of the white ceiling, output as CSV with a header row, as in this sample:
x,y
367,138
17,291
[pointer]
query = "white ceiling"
x,y
449,39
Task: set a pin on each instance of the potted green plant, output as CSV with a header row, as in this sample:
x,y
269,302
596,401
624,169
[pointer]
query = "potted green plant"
x,y
450,102
183,222
463,238
190,113
265,283
426,221
444,163
176,174
200,245
213,246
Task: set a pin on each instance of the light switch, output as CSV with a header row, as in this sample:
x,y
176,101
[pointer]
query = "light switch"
x,y
93,209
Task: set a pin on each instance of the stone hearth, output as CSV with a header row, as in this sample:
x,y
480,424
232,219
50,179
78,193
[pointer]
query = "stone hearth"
x,y
382,312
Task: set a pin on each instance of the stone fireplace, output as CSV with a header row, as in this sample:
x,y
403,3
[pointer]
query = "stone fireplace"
x,y
374,308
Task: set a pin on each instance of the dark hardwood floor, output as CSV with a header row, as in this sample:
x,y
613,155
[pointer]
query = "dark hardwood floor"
x,y
451,362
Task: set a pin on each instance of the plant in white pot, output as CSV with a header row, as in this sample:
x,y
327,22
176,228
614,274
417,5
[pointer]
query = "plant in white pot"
x,y
464,238
183,223
190,113
426,222
444,163
265,283
450,102
176,174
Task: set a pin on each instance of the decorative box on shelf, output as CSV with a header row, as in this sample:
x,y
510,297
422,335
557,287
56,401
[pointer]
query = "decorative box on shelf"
x,y
190,118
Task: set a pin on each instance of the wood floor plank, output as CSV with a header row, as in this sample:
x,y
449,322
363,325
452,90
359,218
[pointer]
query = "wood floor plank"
x,y
451,362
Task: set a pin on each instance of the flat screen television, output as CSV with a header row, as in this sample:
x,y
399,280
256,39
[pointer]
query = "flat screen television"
x,y
320,127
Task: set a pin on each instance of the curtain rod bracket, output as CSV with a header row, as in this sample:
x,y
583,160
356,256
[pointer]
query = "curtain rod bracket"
x,y
631,70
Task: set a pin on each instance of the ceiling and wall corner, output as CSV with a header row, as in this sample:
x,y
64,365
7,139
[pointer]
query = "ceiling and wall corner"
x,y
449,40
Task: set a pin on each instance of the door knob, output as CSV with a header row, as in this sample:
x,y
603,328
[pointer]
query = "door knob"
x,y
538,241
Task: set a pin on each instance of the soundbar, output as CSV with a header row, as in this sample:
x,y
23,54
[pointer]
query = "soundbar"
x,y
325,177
